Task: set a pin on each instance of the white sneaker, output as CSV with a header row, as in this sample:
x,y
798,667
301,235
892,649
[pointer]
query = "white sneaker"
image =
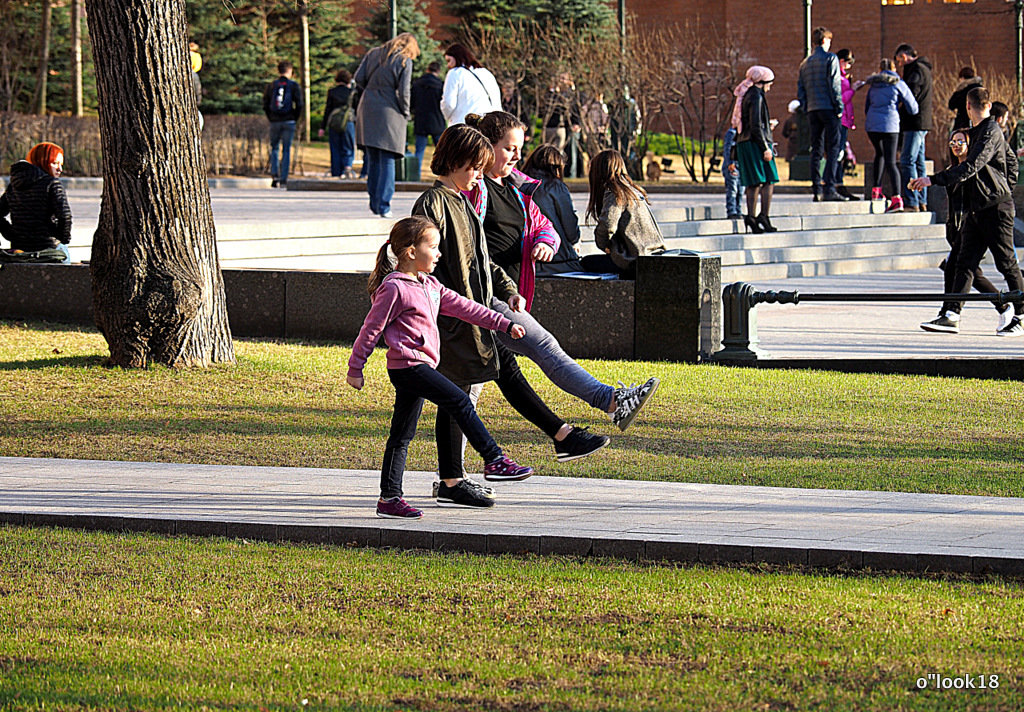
x,y
1014,328
1005,317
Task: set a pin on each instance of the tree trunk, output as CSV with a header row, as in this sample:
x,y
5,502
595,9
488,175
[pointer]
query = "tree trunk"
x,y
76,57
158,294
304,60
39,105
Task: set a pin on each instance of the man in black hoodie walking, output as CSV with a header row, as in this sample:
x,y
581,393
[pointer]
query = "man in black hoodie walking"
x,y
986,174
917,74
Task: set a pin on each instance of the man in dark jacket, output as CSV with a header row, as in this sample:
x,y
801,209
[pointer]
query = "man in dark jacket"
x,y
958,99
917,74
986,173
282,103
427,119
820,92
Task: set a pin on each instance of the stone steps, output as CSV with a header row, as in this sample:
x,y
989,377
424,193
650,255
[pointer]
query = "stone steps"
x,y
813,239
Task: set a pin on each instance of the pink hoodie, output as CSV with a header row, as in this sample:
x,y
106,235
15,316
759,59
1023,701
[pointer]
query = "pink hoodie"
x,y
405,309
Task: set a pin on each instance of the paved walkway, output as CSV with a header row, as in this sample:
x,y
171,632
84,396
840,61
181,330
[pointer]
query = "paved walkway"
x,y
545,515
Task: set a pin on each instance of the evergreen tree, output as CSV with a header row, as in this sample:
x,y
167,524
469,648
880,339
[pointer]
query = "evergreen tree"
x,y
242,45
412,18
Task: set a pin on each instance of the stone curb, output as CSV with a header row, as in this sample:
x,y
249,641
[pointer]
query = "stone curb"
x,y
630,549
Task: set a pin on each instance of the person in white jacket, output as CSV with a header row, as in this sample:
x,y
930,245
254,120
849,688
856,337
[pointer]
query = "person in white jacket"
x,y
468,88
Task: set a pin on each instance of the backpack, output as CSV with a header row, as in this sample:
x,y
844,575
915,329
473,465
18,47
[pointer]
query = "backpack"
x,y
281,98
339,117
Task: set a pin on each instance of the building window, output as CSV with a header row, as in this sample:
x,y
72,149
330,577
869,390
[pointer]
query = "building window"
x,y
958,2
897,2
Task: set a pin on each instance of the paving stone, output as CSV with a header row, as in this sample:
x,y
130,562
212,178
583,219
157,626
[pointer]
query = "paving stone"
x,y
666,521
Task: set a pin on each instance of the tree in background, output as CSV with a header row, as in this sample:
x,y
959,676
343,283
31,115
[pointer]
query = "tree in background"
x,y
21,39
412,18
158,292
494,16
242,44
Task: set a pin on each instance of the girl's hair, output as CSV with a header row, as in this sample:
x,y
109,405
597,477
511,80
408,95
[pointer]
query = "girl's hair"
x,y
343,77
608,172
43,154
495,124
405,45
406,233
545,159
462,56
886,65
460,146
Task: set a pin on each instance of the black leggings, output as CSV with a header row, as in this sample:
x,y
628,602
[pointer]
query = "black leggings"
x,y
885,158
519,394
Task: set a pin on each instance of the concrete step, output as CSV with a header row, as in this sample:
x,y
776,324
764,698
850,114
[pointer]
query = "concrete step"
x,y
787,209
787,270
853,250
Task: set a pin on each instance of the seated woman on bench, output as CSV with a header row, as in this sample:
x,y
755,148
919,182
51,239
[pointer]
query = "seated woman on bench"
x,y
39,229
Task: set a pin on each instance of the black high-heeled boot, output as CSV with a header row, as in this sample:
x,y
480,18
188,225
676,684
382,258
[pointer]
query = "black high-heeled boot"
x,y
765,224
752,225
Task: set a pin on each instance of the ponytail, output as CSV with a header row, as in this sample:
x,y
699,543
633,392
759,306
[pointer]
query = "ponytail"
x,y
381,269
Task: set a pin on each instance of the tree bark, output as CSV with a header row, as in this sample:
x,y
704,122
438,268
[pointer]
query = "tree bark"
x,y
304,57
76,57
39,105
158,293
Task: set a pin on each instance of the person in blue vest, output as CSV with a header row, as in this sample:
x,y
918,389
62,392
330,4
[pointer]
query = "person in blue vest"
x,y
282,103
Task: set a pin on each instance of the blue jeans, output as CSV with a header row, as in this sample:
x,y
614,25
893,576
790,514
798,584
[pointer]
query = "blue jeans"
x,y
343,148
380,178
412,386
543,349
281,133
421,148
732,182
912,166
824,126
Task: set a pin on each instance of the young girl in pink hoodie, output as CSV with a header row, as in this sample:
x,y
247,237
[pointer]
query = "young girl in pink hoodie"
x,y
406,304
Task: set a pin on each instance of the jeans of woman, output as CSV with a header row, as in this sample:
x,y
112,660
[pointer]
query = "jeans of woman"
x,y
343,148
412,386
380,179
543,349
912,166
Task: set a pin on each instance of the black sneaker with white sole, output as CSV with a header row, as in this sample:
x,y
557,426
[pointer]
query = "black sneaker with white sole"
x,y
630,399
462,495
484,489
579,443
942,325
1014,328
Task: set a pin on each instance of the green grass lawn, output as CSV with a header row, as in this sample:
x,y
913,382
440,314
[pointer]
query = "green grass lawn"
x,y
95,621
287,404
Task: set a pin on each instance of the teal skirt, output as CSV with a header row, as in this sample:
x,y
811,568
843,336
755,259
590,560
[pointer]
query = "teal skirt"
x,y
754,170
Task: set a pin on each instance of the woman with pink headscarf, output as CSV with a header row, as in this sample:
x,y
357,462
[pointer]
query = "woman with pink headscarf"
x,y
754,154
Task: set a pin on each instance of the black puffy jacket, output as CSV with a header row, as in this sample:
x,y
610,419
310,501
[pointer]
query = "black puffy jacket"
x,y
987,172
39,210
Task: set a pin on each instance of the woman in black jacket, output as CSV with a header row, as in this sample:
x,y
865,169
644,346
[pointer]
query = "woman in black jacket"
x,y
40,217
546,165
754,154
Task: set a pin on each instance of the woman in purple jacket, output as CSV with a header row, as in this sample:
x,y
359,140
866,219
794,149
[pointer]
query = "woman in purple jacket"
x,y
406,304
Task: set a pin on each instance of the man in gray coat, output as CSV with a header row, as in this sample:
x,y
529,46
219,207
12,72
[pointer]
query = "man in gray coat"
x,y
384,76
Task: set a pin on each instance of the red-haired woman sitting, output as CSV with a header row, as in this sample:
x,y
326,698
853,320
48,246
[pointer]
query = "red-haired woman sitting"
x,y
40,217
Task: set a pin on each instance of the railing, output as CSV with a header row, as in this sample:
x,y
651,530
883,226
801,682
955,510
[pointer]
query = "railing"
x,y
739,339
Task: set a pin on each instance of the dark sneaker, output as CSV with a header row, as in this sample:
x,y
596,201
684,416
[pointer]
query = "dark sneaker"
x,y
484,489
397,508
943,325
630,399
462,494
834,197
505,469
1014,328
579,443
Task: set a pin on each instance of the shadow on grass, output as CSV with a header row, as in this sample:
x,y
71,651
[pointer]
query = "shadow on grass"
x,y
56,362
